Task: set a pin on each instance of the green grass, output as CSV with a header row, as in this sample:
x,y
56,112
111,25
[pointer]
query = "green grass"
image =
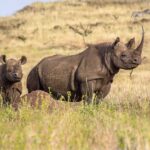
x,y
108,126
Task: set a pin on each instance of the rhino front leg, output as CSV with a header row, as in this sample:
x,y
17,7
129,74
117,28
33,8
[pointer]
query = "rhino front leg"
x,y
87,91
102,93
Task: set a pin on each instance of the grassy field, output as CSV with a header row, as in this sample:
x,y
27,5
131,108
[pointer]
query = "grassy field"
x,y
121,121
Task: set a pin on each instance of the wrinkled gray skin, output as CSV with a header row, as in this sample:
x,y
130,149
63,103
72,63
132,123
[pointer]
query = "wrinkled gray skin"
x,y
91,71
10,79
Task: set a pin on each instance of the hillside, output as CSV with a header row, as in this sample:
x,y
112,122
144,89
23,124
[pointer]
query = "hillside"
x,y
43,29
42,26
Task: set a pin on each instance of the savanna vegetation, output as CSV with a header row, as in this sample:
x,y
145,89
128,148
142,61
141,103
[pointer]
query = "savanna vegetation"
x,y
122,120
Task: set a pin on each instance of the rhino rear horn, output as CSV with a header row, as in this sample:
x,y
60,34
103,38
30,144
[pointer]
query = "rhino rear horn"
x,y
140,46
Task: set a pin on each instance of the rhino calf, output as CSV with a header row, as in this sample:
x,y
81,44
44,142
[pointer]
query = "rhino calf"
x,y
10,79
87,73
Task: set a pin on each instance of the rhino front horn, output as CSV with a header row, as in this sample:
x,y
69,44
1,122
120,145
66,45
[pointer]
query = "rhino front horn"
x,y
140,47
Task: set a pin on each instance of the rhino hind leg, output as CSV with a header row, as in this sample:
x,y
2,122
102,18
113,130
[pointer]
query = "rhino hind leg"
x,y
33,81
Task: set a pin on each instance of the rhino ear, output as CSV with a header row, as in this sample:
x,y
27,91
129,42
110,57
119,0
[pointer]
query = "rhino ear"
x,y
3,59
23,60
117,40
131,43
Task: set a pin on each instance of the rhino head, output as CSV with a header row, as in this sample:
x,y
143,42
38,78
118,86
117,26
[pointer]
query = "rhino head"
x,y
12,68
126,56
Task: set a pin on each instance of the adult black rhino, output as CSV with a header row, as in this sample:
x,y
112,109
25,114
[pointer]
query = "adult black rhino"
x,y
91,71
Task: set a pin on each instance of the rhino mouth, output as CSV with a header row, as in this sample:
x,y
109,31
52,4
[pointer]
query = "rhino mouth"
x,y
132,65
14,79
17,78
